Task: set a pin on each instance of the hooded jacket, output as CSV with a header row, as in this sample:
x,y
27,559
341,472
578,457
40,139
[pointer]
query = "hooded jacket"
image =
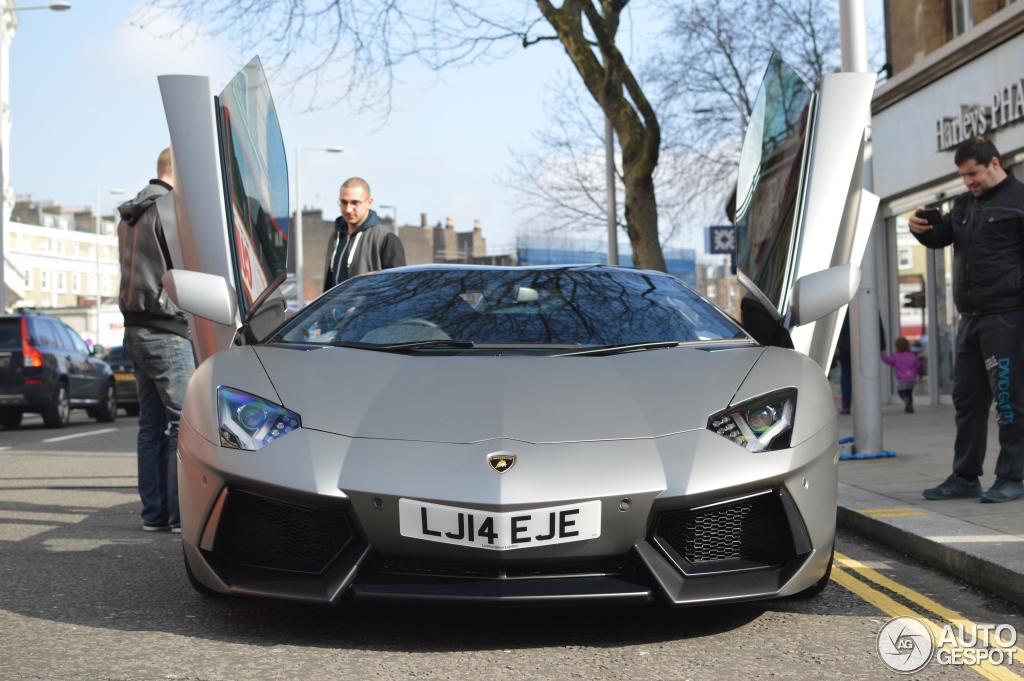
x,y
987,234
144,259
368,249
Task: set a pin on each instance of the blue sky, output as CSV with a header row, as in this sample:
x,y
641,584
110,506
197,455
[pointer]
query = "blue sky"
x,y
87,114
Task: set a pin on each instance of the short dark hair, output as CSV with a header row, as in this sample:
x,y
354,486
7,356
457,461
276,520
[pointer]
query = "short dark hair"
x,y
978,149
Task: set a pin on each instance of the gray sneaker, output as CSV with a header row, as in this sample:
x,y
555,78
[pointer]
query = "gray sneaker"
x,y
954,487
1003,490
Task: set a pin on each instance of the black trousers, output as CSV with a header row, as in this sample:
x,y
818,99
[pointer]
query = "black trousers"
x,y
989,365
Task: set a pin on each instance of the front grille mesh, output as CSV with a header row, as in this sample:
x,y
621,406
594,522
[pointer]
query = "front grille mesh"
x,y
255,529
753,529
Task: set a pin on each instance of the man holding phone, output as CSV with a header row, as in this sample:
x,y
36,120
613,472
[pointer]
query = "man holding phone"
x,y
986,229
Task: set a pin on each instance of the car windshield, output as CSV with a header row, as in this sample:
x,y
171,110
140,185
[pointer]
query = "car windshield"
x,y
574,307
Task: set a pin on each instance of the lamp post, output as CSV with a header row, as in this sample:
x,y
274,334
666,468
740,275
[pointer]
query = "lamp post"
x,y
9,22
395,209
99,229
300,294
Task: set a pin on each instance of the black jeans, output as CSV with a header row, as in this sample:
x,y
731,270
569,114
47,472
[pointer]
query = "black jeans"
x,y
989,364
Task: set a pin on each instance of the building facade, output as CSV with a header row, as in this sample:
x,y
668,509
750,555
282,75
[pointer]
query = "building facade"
x,y
957,71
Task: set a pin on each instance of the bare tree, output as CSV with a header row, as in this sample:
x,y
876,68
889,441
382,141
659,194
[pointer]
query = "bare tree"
x,y
351,49
709,75
712,55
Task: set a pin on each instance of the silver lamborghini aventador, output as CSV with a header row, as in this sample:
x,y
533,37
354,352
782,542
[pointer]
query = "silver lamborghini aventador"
x,y
522,435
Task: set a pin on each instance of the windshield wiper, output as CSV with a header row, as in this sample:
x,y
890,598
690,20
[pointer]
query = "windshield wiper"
x,y
624,347
400,347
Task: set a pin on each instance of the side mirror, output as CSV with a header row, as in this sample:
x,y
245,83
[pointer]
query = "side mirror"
x,y
205,295
97,350
821,293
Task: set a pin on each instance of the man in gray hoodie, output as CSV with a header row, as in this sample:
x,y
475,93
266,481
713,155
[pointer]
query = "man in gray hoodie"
x,y
156,341
361,243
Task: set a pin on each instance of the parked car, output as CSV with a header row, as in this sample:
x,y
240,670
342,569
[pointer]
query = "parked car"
x,y
127,391
46,368
511,435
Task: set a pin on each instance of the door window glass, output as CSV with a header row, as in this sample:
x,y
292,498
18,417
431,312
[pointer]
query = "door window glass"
x,y
43,334
256,179
769,179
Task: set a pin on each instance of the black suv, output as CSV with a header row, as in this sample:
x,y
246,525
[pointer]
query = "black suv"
x,y
45,367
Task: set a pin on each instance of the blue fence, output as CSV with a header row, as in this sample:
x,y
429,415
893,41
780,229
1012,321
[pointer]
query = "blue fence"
x,y
547,250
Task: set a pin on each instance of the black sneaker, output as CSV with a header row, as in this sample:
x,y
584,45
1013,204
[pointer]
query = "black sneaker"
x,y
176,528
954,487
155,527
1003,490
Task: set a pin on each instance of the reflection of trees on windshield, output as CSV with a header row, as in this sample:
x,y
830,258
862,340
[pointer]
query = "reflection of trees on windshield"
x,y
564,306
765,227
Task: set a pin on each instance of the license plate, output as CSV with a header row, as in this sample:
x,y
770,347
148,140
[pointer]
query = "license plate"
x,y
124,377
499,531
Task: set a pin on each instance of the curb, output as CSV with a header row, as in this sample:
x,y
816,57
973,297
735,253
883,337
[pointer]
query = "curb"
x,y
978,555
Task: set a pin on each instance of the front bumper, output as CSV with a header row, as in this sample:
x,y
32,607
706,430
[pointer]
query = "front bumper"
x,y
314,517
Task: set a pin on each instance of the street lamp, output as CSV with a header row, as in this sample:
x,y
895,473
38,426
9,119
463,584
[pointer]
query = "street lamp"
x,y
99,229
300,297
9,8
394,208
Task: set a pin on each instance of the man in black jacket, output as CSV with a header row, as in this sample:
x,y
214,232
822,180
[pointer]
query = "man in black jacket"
x,y
156,341
986,229
361,243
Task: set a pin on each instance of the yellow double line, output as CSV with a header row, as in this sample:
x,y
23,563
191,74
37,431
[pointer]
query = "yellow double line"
x,y
893,608
900,512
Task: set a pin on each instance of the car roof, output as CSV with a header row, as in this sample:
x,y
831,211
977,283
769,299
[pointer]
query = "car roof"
x,y
434,267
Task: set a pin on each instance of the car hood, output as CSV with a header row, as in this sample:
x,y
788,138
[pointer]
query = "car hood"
x,y
472,398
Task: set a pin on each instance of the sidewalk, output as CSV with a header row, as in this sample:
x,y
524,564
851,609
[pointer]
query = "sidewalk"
x,y
881,499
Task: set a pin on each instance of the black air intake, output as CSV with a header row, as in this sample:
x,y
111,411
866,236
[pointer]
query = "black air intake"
x,y
260,531
742,534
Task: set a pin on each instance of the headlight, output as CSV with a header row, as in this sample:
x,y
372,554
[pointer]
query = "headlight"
x,y
249,422
762,424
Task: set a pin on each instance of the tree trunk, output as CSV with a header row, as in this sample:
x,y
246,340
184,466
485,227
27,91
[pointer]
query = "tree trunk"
x,y
642,219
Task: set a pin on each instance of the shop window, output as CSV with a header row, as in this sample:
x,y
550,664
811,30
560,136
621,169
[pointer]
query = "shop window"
x,y
905,258
963,17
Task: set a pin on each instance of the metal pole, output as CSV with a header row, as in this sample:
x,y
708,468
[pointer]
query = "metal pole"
x,y
728,294
99,224
4,46
300,296
864,309
609,161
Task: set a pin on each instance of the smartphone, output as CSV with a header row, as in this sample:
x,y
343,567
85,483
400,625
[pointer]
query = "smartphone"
x,y
932,215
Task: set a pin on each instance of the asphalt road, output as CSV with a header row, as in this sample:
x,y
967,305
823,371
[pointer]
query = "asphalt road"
x,y
87,595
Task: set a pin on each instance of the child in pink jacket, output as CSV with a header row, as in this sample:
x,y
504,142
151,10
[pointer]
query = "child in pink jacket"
x,y
907,367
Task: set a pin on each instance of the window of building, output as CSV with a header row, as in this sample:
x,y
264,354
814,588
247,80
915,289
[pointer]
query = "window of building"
x,y
28,278
712,290
62,282
44,280
905,258
76,282
963,16
106,285
74,250
44,245
92,284
60,248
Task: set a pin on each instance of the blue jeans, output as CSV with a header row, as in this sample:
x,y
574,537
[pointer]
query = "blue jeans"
x,y
163,363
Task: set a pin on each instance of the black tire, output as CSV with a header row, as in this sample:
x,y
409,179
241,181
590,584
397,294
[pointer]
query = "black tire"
x,y
10,419
58,413
131,409
818,586
196,584
106,410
